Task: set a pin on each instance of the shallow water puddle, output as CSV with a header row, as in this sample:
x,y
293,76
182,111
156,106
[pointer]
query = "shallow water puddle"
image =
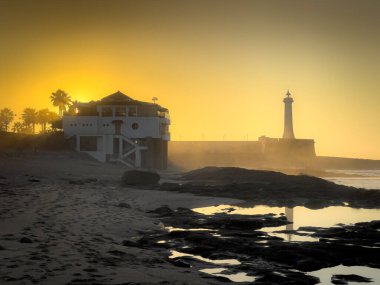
x,y
300,216
325,274
176,254
173,229
237,277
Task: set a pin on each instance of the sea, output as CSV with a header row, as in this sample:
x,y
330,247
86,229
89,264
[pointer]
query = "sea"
x,y
368,179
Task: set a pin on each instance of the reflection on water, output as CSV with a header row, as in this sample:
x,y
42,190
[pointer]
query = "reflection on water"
x,y
173,229
325,274
237,277
289,213
300,216
176,254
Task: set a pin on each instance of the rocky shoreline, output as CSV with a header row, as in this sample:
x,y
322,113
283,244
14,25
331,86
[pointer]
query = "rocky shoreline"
x,y
272,188
271,260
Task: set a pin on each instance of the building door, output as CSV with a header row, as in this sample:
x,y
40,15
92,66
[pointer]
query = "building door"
x,y
117,124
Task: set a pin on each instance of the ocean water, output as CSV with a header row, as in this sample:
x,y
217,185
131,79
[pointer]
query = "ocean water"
x,y
368,179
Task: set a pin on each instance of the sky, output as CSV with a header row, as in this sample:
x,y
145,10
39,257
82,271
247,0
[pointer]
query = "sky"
x,y
221,67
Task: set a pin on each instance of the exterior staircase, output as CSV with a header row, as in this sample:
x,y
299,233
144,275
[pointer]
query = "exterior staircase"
x,y
130,154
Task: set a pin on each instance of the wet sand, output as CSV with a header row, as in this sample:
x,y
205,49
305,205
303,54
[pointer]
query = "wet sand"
x,y
63,219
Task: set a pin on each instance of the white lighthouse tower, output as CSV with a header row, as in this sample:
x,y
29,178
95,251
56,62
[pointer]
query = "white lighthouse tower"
x,y
288,118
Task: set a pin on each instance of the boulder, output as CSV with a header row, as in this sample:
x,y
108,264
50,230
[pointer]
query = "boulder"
x,y
139,178
124,205
345,279
163,211
180,263
130,243
25,240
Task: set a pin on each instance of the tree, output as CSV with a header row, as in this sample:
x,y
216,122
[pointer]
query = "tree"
x,y
43,117
6,117
72,110
61,99
18,127
29,117
53,119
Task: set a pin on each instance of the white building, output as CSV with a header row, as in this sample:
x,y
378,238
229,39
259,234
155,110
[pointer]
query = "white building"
x,y
119,128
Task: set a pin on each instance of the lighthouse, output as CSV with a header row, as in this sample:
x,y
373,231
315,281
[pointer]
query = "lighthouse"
x,y
288,117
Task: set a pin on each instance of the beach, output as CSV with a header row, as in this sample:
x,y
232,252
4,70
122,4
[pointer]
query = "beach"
x,y
67,219
64,217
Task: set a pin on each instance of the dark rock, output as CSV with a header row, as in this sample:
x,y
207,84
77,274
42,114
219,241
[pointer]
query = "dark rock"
x,y
117,252
124,205
218,278
274,188
344,279
2,177
34,180
2,248
291,278
76,182
83,181
169,186
90,270
139,178
163,211
309,264
180,263
26,240
131,243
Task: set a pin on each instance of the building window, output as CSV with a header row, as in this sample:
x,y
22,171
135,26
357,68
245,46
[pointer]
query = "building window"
x,y
135,126
132,111
107,112
120,112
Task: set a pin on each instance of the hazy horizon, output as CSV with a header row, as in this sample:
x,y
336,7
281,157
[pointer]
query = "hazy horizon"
x,y
222,68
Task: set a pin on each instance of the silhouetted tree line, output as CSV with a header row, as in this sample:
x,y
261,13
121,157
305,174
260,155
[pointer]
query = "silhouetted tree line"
x,y
31,117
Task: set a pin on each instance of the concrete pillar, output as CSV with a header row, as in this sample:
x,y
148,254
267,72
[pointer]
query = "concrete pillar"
x,y
120,146
138,157
78,143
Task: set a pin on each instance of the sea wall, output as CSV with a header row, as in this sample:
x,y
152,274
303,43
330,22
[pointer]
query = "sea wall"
x,y
195,154
299,154
249,154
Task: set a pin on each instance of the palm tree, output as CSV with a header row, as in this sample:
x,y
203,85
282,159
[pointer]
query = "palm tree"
x,y
43,117
73,108
61,99
53,119
6,117
18,127
29,117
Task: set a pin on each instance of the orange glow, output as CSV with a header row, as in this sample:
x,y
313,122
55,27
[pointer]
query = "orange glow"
x,y
221,67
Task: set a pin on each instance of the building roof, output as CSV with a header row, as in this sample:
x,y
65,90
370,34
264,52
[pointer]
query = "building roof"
x,y
117,97
121,99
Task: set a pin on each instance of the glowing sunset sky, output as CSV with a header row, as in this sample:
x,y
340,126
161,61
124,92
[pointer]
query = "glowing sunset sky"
x,y
221,67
